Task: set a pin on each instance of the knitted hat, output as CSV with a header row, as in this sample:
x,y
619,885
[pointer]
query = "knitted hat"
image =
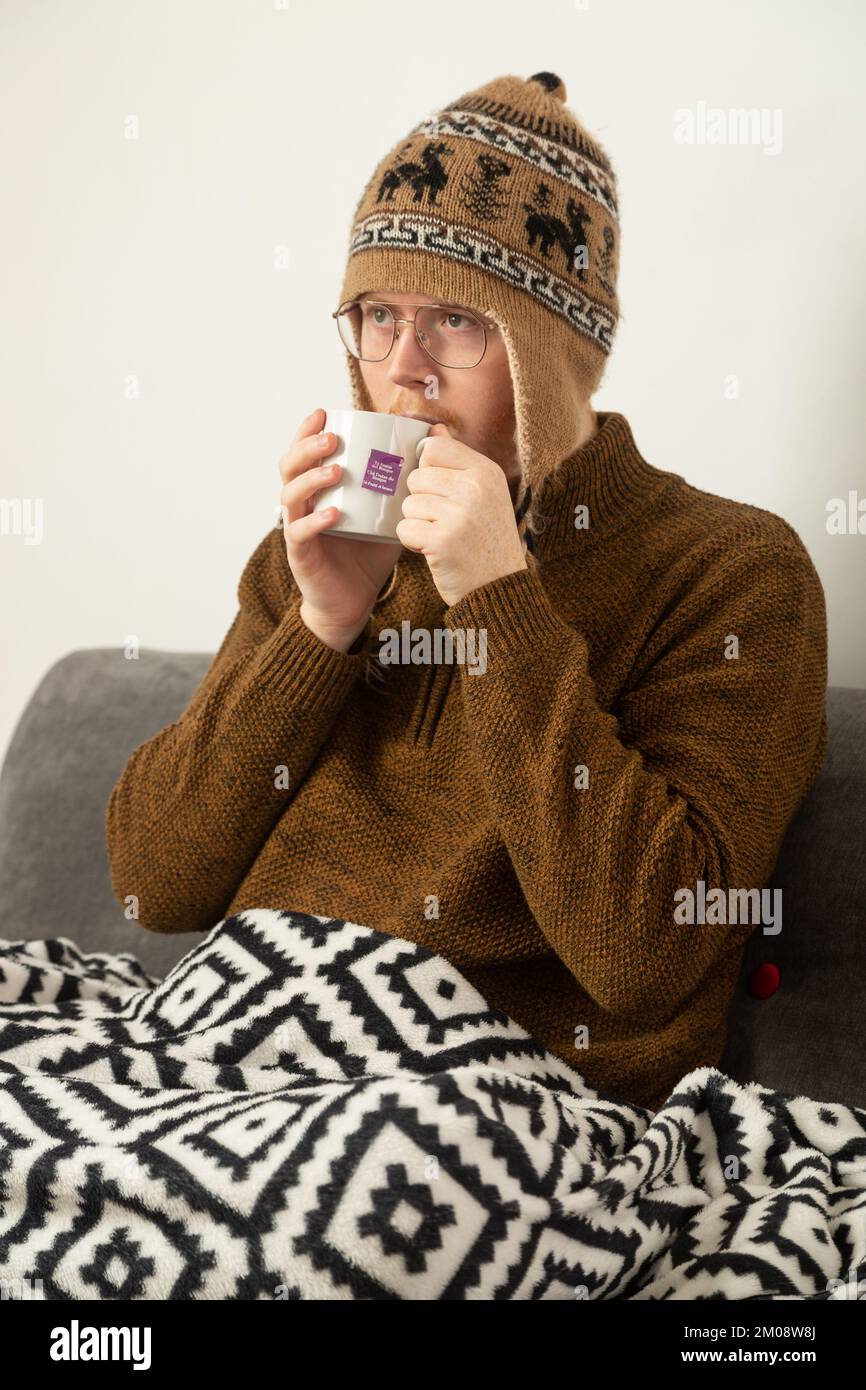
x,y
503,203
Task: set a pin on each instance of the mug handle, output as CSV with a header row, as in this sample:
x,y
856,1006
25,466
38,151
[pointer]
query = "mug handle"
x,y
419,446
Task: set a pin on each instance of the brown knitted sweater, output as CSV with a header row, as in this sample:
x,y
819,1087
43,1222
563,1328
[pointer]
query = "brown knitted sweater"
x,y
447,806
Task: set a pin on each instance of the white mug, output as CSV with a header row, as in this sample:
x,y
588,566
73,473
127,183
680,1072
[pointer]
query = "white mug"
x,y
377,453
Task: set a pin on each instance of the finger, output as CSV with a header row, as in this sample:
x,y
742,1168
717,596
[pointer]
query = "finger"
x,y
306,453
414,535
445,451
311,425
305,528
298,493
442,481
425,506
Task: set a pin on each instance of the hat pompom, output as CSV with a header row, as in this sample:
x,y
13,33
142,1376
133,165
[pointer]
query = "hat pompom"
x,y
553,85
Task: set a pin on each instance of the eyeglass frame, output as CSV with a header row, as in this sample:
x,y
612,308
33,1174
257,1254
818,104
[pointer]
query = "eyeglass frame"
x,y
380,304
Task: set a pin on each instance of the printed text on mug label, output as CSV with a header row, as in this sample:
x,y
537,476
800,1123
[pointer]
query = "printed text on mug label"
x,y
382,472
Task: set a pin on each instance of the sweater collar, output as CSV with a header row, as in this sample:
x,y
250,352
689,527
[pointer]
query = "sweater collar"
x,y
608,475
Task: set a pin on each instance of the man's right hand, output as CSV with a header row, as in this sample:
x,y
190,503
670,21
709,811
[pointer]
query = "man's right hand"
x,y
339,576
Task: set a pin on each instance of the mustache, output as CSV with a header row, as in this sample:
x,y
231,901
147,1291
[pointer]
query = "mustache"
x,y
421,408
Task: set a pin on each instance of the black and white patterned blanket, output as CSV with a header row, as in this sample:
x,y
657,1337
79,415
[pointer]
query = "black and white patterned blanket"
x,y
308,1109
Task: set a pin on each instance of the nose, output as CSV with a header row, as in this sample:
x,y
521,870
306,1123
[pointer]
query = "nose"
x,y
408,362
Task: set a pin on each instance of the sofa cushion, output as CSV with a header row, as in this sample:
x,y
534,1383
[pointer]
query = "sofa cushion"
x,y
808,1038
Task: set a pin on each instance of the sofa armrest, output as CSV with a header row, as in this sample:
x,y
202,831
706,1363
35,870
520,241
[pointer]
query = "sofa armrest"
x,y
89,712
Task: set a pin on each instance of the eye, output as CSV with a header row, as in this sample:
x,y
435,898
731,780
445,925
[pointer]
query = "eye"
x,y
453,320
376,314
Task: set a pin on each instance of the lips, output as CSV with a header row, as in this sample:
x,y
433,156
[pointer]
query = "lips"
x,y
428,419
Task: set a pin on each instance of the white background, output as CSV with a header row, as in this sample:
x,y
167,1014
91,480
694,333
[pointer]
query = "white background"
x,y
259,126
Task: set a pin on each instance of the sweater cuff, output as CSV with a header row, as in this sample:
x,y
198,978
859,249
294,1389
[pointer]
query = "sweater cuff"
x,y
294,659
517,615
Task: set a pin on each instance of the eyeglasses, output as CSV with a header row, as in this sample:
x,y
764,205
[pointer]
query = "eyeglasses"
x,y
453,337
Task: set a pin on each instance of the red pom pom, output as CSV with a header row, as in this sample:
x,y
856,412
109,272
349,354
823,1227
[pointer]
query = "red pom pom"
x,y
764,981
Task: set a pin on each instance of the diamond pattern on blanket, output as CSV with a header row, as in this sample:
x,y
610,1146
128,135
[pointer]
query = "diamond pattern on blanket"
x,y
305,1108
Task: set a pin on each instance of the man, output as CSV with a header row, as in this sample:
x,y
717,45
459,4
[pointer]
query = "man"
x,y
652,710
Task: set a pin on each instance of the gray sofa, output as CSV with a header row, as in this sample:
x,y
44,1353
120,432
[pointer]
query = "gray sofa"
x,y
94,707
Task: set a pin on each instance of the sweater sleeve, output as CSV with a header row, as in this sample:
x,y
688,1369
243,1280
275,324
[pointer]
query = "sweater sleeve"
x,y
693,776
196,802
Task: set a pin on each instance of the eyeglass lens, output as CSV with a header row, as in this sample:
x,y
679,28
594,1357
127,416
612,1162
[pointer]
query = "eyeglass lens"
x,y
452,337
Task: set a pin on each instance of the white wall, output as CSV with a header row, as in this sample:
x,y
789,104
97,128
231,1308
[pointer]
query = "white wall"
x,y
155,258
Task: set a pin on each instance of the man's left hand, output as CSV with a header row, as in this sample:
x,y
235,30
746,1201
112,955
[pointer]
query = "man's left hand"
x,y
459,515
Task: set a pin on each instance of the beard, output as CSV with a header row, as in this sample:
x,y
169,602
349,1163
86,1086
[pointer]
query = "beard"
x,y
499,441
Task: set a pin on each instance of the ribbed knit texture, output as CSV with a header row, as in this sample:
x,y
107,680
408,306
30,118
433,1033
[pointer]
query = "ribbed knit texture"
x,y
557,903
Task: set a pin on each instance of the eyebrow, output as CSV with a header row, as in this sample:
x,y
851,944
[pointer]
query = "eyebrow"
x,y
444,303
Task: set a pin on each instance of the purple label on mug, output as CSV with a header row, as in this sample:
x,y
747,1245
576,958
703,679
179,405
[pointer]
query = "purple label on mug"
x,y
382,472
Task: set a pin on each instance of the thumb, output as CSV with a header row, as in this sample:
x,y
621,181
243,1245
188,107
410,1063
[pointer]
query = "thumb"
x,y
437,431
